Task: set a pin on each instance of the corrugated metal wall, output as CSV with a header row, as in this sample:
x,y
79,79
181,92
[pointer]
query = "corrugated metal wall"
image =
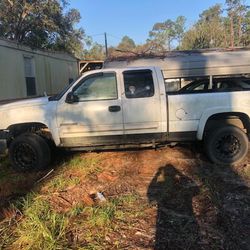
x,y
52,70
183,64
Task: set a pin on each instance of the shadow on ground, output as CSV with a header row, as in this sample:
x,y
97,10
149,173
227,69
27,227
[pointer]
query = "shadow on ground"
x,y
202,207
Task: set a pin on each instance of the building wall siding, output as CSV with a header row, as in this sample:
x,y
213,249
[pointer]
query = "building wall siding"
x,y
52,70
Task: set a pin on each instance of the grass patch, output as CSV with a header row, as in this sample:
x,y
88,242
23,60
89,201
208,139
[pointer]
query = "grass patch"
x,y
60,183
87,166
95,223
41,227
73,172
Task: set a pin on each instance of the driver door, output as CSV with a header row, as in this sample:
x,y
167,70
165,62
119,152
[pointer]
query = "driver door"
x,y
96,117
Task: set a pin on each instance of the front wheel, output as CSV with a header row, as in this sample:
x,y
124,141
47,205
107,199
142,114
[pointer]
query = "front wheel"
x,y
29,152
226,145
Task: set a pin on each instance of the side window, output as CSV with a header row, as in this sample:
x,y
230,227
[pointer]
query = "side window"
x,y
243,84
172,85
231,84
138,84
201,86
196,86
97,87
188,85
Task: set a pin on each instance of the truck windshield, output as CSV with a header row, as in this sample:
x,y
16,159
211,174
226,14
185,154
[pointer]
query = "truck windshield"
x,y
58,96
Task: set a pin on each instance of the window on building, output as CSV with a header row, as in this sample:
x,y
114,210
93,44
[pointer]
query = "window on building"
x,y
138,84
29,71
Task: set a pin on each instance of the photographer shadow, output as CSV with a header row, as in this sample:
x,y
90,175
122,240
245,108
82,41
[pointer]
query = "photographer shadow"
x,y
176,226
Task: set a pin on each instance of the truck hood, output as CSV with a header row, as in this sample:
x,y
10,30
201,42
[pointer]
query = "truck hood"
x,y
25,103
37,110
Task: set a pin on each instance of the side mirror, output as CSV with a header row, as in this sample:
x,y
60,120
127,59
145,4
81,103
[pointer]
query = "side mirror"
x,y
71,98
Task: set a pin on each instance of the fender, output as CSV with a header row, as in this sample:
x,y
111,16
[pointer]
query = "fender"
x,y
37,110
214,111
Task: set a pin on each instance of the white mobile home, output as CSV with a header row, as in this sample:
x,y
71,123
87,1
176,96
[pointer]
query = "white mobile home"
x,y
25,72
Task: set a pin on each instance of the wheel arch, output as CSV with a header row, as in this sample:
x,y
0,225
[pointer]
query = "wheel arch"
x,y
238,119
33,127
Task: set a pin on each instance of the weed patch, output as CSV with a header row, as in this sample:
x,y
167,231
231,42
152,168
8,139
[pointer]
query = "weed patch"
x,y
40,227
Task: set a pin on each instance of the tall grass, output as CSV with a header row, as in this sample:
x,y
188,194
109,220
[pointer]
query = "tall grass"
x,y
83,227
41,227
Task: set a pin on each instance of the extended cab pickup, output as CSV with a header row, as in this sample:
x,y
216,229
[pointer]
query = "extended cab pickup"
x,y
117,108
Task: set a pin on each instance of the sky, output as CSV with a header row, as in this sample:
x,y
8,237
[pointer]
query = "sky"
x,y
134,18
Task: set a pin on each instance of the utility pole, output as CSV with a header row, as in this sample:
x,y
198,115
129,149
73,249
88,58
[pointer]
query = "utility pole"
x,y
106,44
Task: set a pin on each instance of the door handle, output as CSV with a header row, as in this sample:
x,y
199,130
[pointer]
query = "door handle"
x,y
115,108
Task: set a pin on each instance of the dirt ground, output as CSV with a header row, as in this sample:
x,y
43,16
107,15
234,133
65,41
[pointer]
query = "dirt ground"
x,y
185,202
195,205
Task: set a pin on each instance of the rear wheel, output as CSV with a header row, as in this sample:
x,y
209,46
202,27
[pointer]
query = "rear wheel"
x,y
226,145
29,152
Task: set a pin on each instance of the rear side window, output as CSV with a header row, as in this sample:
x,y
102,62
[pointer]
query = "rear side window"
x,y
231,84
138,84
196,85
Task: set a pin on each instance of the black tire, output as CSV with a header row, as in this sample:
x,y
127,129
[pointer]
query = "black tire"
x,y
227,145
29,152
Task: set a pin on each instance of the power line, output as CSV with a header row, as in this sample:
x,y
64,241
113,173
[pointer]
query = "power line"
x,y
108,35
100,34
116,37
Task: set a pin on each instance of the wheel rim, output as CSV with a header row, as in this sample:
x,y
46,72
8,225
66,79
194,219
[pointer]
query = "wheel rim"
x,y
227,146
24,156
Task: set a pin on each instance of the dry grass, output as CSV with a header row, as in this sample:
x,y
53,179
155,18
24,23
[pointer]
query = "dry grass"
x,y
154,199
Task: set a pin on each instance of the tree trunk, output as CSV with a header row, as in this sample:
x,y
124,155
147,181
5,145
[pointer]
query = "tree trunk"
x,y
239,30
232,30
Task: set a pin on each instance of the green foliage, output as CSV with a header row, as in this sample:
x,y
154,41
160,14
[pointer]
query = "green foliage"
x,y
215,30
126,44
96,52
48,25
41,24
237,18
164,34
208,32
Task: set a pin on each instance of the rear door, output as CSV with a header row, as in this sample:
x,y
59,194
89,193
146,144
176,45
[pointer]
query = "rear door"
x,y
141,102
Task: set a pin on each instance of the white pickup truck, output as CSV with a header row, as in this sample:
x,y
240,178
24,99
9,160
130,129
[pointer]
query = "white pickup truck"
x,y
129,107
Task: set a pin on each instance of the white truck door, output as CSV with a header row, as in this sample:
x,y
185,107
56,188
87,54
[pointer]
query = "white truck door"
x,y
96,117
141,102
